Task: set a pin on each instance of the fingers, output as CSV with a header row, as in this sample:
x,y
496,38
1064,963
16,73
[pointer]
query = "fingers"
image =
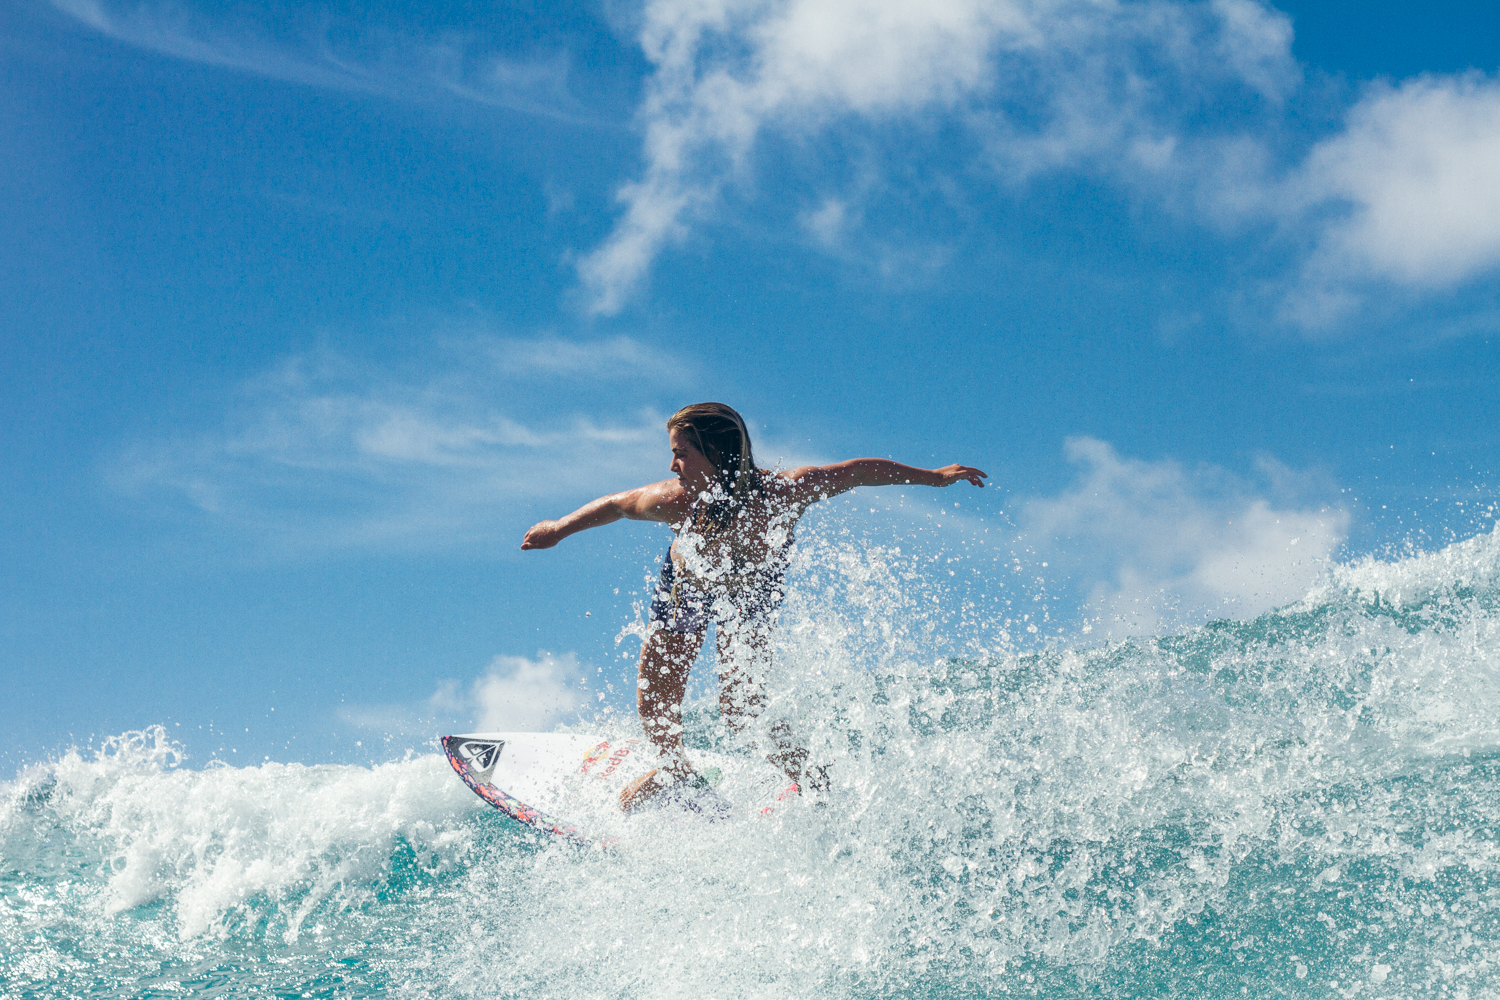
x,y
539,536
953,473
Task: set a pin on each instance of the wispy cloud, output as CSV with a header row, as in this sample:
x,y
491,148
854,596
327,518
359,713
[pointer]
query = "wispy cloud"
x,y
326,453
1188,103
319,52
1152,543
621,357
1039,84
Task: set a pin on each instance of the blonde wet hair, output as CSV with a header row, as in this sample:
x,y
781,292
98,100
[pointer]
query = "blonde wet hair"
x,y
719,433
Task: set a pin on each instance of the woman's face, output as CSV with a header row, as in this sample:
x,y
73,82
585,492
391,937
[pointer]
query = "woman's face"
x,y
694,471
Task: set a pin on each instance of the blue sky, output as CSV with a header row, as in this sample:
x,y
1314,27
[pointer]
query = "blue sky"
x,y
308,311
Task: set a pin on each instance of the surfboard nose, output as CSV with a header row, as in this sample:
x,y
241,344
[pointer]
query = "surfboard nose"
x,y
475,756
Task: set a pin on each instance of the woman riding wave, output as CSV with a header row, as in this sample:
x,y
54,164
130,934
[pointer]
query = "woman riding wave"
x,y
727,566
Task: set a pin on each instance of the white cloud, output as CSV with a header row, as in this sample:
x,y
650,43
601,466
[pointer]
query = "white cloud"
x,y
1148,540
1411,181
524,695
323,453
827,223
1257,41
1401,196
350,58
516,694
1041,82
1397,204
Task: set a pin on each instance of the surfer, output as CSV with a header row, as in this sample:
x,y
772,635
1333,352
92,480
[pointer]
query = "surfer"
x,y
727,566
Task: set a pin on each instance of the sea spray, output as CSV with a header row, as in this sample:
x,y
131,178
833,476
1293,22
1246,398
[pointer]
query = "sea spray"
x,y
1304,804
127,868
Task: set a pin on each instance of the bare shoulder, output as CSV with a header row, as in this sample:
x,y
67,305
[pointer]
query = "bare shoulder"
x,y
664,501
800,486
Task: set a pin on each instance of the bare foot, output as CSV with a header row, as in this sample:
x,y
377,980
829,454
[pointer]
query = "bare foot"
x,y
640,791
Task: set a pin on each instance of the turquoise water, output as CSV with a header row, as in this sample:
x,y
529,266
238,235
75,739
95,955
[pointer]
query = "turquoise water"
x,y
1301,805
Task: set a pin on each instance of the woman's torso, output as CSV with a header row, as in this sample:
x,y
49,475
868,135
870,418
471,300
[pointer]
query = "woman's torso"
x,y
748,546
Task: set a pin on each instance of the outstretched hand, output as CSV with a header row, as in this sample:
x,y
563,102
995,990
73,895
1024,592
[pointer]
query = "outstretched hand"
x,y
542,535
953,473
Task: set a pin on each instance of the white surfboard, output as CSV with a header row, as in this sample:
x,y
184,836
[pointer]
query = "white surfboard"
x,y
570,784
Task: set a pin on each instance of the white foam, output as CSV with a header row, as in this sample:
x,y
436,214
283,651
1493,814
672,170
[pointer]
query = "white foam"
x,y
211,840
1470,563
1051,809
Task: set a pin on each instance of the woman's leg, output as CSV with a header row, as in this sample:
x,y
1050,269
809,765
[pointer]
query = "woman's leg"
x,y
744,660
661,682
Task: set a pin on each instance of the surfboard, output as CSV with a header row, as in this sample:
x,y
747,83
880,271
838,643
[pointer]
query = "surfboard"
x,y
569,784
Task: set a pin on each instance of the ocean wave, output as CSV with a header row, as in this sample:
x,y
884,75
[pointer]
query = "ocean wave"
x,y
1306,803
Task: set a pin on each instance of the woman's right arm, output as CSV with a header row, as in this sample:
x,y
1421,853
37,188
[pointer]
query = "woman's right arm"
x,y
656,502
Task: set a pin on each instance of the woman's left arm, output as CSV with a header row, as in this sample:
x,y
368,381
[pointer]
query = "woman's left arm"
x,y
819,482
